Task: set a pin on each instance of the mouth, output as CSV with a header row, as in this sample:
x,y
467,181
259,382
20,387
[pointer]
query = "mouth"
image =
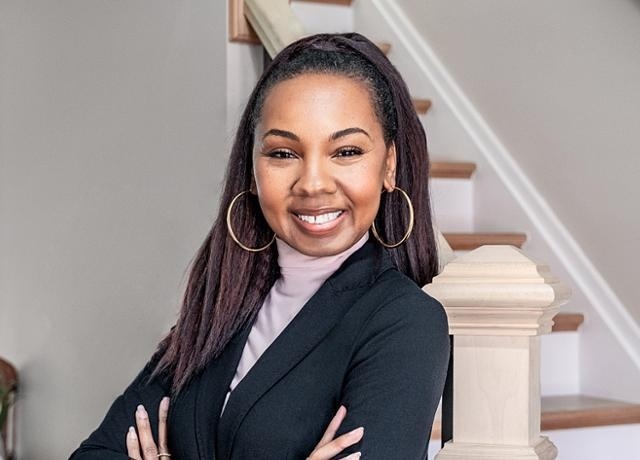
x,y
319,219
321,222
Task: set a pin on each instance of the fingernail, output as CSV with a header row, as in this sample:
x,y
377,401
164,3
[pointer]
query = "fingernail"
x,y
357,454
357,431
164,404
132,432
141,412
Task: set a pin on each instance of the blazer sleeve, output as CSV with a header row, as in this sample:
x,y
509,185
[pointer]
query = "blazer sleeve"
x,y
396,378
108,441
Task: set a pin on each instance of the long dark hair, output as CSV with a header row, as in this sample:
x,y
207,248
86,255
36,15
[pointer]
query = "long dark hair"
x,y
226,284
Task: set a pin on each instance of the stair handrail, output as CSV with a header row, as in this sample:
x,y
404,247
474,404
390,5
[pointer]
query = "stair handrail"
x,y
274,22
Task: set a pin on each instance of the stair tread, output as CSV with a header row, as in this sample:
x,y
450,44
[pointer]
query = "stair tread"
x,y
384,47
468,241
422,105
451,169
577,411
567,322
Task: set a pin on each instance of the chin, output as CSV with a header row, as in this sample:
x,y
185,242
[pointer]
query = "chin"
x,y
323,246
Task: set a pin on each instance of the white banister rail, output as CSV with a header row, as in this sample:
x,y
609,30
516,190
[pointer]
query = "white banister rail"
x,y
498,302
274,23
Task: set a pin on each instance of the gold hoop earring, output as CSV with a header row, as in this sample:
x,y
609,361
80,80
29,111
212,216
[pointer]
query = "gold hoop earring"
x,y
233,235
406,235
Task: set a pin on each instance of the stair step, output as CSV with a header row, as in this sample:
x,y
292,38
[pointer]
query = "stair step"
x,y
567,322
470,241
577,411
384,47
422,105
451,169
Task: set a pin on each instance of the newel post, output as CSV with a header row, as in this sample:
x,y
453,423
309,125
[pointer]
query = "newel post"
x,y
498,302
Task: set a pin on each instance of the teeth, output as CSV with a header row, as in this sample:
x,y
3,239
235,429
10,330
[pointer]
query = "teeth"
x,y
321,219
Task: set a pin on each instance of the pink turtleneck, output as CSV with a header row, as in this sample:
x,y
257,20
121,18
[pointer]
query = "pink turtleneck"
x,y
301,276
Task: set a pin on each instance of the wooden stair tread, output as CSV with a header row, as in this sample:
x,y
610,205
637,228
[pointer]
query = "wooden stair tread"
x,y
384,47
567,322
577,411
451,169
422,105
470,241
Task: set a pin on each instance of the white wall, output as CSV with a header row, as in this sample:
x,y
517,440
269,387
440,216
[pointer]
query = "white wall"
x,y
112,147
559,83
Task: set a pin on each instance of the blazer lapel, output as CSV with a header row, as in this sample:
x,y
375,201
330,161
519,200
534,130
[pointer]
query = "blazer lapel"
x,y
212,390
323,310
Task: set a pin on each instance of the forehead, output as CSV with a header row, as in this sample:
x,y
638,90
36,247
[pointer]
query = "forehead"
x,y
319,102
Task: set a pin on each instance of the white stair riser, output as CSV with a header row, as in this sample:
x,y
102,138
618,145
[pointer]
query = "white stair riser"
x,y
619,442
452,201
560,364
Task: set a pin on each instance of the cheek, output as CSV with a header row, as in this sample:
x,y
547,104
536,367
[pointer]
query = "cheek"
x,y
272,191
363,187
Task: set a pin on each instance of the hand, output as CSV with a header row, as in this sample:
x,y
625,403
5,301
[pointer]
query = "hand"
x,y
141,446
327,448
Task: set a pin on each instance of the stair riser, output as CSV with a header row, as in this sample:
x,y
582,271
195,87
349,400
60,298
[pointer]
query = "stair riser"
x,y
452,201
596,443
559,368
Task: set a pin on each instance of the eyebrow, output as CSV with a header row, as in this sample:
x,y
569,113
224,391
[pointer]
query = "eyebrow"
x,y
281,133
346,132
332,137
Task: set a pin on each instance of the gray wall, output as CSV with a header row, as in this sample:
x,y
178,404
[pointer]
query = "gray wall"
x,y
112,147
559,82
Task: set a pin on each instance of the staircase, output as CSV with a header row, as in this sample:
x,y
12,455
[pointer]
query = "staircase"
x,y
582,426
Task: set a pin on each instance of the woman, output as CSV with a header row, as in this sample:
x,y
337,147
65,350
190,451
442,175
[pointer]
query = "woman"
x,y
303,317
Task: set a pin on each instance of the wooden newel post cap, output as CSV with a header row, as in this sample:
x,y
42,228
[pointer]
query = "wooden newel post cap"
x,y
498,290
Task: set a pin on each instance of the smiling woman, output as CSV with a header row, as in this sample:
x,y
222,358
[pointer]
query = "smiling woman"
x,y
322,344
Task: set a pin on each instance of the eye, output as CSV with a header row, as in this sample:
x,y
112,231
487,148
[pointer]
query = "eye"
x,y
349,152
281,154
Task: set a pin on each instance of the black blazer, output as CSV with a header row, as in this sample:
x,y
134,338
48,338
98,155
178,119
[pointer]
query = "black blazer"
x,y
369,338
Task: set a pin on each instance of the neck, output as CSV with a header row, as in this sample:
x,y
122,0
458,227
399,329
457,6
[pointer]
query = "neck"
x,y
301,272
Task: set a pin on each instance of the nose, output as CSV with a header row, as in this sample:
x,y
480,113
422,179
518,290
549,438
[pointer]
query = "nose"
x,y
315,177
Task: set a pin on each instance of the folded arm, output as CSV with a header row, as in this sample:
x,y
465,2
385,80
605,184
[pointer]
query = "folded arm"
x,y
396,378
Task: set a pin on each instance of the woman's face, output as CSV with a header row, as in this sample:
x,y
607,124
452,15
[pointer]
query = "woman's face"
x,y
320,162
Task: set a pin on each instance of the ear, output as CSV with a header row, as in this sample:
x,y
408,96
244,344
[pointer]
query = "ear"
x,y
389,182
253,189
